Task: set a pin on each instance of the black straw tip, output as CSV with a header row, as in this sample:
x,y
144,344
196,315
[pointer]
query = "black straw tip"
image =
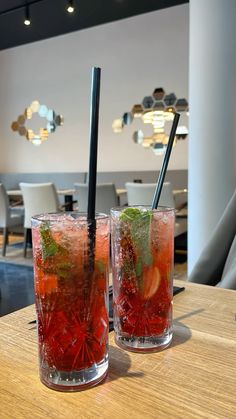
x,y
163,170
94,116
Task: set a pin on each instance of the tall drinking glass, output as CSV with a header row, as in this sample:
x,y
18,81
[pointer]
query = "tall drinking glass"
x,y
142,267
71,267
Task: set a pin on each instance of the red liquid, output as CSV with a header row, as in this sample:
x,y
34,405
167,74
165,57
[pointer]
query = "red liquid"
x,y
156,311
143,296
72,305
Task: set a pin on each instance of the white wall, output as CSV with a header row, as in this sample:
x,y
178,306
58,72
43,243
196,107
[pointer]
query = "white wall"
x,y
136,55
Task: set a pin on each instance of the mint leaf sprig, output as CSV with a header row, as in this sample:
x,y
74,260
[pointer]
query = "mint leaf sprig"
x,y
49,245
139,222
136,231
54,256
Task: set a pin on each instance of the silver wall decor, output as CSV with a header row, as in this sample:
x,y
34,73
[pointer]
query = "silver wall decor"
x,y
158,110
52,121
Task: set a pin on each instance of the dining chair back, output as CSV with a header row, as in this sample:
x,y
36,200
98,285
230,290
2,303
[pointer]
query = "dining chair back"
x,y
38,198
8,219
4,207
142,194
106,197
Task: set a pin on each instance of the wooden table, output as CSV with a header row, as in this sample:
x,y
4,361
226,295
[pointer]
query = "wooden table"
x,y
194,378
182,213
68,195
18,192
180,191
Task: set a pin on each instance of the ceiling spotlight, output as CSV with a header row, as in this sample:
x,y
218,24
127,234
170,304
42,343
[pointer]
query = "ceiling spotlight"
x,y
70,7
27,21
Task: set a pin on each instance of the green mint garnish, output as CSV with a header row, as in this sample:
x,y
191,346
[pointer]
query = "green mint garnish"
x,y
49,245
63,269
138,267
135,243
100,266
56,256
139,223
130,214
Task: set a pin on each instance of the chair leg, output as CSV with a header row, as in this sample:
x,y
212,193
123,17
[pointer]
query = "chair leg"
x,y
5,241
25,241
29,237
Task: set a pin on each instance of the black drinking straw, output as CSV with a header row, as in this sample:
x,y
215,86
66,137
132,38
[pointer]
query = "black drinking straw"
x,y
162,173
92,175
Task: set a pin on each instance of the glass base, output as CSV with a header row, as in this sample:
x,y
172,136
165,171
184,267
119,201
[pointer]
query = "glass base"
x,y
74,380
144,344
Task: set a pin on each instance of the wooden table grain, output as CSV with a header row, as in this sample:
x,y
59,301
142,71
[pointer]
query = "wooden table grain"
x,y
194,378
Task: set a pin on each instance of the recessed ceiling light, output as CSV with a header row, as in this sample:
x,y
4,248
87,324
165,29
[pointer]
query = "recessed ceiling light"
x,y
70,7
27,21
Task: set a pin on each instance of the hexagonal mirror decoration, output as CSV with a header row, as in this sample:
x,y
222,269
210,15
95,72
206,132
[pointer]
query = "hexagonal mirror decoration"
x,y
52,122
147,102
158,111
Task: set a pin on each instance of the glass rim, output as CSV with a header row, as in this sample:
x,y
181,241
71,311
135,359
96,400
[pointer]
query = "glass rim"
x,y
52,216
160,208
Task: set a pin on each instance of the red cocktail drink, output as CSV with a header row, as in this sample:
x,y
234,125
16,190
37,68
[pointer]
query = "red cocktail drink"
x,y
71,290
142,266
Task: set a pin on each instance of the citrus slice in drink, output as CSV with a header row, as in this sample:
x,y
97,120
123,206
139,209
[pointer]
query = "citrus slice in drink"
x,y
151,281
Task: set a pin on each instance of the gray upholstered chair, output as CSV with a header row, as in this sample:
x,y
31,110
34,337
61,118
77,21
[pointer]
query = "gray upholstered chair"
x,y
38,198
217,262
9,219
106,197
142,194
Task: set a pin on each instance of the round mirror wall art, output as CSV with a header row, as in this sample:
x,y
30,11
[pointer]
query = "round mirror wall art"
x,y
53,120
